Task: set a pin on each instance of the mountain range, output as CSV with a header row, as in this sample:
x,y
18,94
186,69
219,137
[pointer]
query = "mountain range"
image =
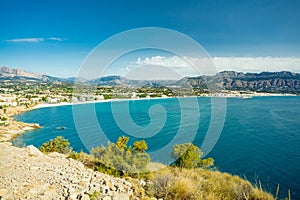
x,y
284,81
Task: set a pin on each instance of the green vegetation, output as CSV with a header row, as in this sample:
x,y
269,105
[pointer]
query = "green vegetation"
x,y
189,178
94,196
125,159
189,156
118,158
180,183
59,144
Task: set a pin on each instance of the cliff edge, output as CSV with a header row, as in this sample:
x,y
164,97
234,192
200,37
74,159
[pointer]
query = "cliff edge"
x,y
26,173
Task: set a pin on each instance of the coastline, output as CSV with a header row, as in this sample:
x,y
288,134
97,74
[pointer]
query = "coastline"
x,y
16,128
13,128
47,105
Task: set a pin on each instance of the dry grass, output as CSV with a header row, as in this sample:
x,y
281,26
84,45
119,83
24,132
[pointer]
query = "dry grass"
x,y
184,184
171,183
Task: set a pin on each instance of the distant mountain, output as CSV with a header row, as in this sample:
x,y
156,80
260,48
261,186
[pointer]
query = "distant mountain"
x,y
284,81
20,75
13,72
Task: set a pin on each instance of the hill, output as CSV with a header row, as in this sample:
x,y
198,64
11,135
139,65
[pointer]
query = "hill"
x,y
274,82
27,173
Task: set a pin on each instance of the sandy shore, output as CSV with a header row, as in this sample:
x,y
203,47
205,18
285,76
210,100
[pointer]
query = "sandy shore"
x,y
46,105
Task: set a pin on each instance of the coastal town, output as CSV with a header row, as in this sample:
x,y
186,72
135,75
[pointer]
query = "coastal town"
x,y
150,100
22,91
18,98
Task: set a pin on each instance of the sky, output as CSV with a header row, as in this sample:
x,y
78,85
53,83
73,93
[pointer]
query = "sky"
x,y
55,37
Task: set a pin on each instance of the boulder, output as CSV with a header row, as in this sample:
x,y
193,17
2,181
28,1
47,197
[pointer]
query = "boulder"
x,y
2,192
85,197
33,151
56,155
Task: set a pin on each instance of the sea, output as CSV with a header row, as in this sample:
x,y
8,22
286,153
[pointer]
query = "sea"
x,y
255,138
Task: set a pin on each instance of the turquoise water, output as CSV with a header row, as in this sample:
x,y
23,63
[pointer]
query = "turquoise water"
x,y
260,139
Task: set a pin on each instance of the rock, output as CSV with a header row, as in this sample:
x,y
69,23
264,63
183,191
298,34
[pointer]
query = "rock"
x,y
2,192
106,198
71,190
143,183
35,125
56,155
6,143
73,196
27,128
33,151
120,197
85,197
29,174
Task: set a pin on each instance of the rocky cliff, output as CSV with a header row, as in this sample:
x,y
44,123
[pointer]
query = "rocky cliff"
x,y
12,72
279,82
26,173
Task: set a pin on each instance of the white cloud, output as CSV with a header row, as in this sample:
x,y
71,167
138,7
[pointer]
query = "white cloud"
x,y
163,61
258,64
55,39
26,40
34,40
210,66
147,72
184,66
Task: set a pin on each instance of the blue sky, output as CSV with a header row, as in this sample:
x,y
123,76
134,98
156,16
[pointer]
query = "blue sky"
x,y
55,36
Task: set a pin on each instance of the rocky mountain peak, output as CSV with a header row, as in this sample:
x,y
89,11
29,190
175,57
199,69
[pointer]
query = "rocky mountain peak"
x,y
13,72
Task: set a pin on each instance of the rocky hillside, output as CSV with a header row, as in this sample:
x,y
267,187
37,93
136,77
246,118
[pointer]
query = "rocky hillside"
x,y
20,75
278,82
26,173
13,72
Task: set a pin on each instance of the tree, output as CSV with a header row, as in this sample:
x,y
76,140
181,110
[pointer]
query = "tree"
x,y
120,157
186,155
122,142
44,99
59,144
140,146
189,156
206,163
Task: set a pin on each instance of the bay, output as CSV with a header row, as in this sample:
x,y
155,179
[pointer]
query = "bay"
x,y
260,140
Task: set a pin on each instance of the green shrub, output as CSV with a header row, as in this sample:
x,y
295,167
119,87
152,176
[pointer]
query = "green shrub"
x,y
188,179
140,146
120,157
59,144
189,156
74,155
95,195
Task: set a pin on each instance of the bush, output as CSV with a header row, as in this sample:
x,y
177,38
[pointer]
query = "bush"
x,y
59,144
189,156
120,159
86,159
140,146
182,184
